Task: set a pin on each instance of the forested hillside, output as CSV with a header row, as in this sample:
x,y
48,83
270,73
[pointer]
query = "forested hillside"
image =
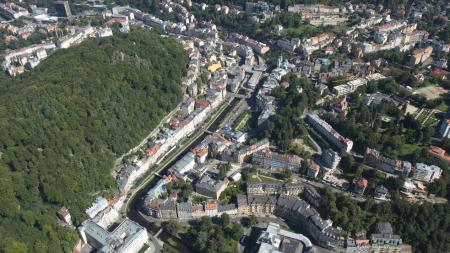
x,y
63,124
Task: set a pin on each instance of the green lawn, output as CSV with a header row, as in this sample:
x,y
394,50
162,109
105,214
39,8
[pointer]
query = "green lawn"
x,y
143,249
241,123
408,149
308,142
170,249
442,107
262,178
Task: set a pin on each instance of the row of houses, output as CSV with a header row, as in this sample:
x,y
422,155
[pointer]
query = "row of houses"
x,y
170,209
421,172
17,61
277,162
194,113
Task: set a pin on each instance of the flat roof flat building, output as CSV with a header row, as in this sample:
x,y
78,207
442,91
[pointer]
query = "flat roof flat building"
x,y
128,237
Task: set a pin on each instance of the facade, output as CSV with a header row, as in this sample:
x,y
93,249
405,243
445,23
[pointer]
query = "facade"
x,y
249,150
64,215
274,188
329,133
184,210
384,241
330,159
312,170
96,207
261,204
373,158
209,187
311,195
275,161
168,209
349,87
358,246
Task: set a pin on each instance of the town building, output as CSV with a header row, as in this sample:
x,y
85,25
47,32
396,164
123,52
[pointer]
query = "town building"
x,y
360,185
439,153
312,170
340,107
311,195
384,241
127,237
96,207
275,239
184,210
278,162
260,7
329,160
426,173
358,246
258,47
381,193
264,188
252,149
10,10
419,56
349,87
329,133
373,158
64,215
184,165
211,187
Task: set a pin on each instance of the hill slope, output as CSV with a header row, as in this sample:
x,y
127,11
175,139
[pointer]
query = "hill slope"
x,y
63,124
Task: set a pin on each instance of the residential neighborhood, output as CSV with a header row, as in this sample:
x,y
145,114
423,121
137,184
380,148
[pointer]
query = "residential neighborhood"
x,y
310,128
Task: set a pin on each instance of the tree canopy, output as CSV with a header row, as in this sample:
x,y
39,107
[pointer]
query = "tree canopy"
x,y
63,124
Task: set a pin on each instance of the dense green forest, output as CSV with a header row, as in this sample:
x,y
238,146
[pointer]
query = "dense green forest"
x,y
63,124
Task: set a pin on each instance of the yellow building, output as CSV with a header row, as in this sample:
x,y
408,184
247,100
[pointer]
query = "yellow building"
x,y
214,67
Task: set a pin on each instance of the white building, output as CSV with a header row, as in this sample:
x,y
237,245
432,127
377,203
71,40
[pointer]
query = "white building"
x,y
106,217
330,159
185,164
275,239
349,87
329,133
128,237
96,207
104,32
427,173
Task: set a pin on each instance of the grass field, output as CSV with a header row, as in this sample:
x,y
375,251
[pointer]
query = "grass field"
x,y
241,123
431,92
443,107
262,178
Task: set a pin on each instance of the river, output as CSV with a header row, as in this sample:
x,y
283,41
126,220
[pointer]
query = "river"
x,y
136,201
